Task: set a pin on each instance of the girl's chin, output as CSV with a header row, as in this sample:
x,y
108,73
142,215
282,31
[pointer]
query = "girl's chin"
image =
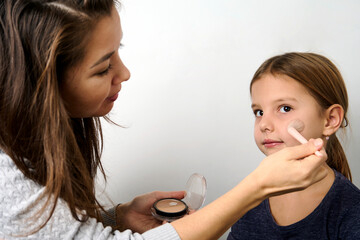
x,y
269,151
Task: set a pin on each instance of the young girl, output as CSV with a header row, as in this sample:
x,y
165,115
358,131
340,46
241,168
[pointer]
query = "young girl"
x,y
59,72
302,87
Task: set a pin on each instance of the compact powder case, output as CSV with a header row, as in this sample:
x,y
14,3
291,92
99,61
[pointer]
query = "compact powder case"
x,y
170,209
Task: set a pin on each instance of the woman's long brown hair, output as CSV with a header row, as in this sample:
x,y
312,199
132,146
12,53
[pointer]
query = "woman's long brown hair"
x,y
324,82
40,40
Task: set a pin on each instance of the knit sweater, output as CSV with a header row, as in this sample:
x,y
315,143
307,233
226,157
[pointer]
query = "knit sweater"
x,y
336,217
20,199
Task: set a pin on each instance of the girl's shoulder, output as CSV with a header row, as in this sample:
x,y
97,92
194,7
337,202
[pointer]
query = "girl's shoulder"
x,y
343,184
346,207
344,194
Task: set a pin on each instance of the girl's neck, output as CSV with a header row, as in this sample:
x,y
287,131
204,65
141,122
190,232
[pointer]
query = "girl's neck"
x,y
292,207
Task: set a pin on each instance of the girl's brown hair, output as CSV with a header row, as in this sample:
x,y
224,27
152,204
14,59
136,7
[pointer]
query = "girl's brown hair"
x,y
324,82
39,41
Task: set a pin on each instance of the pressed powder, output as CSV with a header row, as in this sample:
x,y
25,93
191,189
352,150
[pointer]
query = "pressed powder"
x,y
170,207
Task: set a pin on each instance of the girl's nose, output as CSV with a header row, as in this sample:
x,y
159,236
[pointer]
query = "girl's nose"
x,y
122,73
266,124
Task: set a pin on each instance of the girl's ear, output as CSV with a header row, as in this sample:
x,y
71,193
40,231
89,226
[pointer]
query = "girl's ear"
x,y
334,117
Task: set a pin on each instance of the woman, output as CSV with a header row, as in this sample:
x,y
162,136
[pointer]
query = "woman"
x,y
60,71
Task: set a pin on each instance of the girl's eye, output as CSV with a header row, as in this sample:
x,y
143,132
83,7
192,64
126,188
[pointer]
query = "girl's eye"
x,y
258,113
285,109
106,71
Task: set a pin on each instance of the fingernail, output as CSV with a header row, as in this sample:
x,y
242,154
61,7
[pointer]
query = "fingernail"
x,y
319,154
318,142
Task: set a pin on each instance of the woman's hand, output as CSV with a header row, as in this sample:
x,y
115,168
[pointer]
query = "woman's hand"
x,y
291,169
136,215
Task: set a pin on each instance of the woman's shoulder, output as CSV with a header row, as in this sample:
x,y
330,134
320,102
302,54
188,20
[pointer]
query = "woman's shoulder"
x,y
14,186
7,167
9,172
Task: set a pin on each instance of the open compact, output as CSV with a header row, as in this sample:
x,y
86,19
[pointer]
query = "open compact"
x,y
170,209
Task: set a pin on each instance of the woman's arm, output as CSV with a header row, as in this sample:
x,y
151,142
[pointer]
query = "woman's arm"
x,y
279,173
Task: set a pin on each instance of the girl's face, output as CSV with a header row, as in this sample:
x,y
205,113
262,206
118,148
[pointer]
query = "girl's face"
x,y
91,87
276,101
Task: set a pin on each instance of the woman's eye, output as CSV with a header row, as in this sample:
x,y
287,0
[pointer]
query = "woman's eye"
x,y
106,71
285,109
258,113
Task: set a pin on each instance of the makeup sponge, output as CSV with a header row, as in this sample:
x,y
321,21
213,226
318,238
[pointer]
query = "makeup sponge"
x,y
294,128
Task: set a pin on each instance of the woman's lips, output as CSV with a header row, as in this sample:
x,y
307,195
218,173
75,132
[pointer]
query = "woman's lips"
x,y
114,97
271,143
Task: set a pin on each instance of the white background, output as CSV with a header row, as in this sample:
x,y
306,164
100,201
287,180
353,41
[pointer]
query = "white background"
x,y
186,107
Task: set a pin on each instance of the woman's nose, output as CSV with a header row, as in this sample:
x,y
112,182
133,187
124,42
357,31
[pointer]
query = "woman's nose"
x,y
122,72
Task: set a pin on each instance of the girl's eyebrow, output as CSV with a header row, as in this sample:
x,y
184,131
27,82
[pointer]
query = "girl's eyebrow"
x,y
254,106
289,99
103,58
286,100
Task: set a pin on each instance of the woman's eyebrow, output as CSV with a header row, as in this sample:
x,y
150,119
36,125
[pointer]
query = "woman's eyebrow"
x,y
104,58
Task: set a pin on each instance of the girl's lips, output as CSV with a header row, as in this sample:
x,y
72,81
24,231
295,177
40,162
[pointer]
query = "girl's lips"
x,y
271,143
114,97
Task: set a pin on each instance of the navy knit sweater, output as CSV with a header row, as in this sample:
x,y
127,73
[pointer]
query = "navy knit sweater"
x,y
336,217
